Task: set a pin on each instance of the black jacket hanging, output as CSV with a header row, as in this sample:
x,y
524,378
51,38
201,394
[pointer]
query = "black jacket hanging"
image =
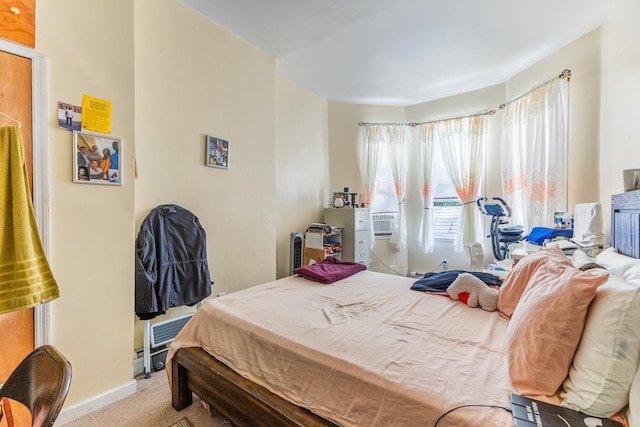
x,y
171,262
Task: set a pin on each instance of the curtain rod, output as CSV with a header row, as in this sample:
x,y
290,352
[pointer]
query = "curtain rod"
x,y
566,73
383,124
462,116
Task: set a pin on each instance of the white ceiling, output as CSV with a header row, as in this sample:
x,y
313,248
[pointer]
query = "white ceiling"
x,y
404,52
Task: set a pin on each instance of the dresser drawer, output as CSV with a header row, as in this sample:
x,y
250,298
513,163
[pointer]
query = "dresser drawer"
x,y
362,257
362,241
362,220
356,233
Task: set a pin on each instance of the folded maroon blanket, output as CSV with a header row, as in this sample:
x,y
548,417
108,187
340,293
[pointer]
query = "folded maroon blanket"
x,y
329,270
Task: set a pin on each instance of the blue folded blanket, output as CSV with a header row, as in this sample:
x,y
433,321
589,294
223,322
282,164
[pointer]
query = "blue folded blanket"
x,y
540,234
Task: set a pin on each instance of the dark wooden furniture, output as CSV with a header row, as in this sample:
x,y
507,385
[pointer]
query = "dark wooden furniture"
x,y
241,401
625,223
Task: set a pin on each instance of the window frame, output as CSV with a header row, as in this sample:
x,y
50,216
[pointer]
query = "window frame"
x,y
451,206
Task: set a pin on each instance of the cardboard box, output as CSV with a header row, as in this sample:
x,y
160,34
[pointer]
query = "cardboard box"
x,y
311,256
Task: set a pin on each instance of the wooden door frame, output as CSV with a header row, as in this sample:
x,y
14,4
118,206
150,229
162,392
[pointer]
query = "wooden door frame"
x,y
42,324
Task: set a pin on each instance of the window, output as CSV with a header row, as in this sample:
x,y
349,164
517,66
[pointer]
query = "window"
x,y
385,200
447,213
384,205
447,208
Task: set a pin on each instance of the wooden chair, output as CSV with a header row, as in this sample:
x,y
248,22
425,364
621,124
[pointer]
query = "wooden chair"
x,y
41,383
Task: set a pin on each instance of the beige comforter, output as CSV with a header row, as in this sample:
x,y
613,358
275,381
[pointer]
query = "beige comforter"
x,y
363,351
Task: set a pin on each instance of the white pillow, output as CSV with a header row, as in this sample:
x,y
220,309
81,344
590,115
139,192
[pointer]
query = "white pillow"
x,y
615,262
608,354
580,259
633,413
632,275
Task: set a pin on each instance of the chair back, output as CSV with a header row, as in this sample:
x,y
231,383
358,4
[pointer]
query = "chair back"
x,y
41,383
476,255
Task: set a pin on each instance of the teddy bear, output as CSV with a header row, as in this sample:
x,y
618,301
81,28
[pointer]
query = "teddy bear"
x,y
478,291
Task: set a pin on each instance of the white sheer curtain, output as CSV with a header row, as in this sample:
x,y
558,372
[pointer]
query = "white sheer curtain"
x,y
373,137
394,140
534,154
399,139
463,146
426,135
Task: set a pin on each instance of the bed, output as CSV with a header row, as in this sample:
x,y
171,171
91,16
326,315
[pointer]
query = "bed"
x,y
367,350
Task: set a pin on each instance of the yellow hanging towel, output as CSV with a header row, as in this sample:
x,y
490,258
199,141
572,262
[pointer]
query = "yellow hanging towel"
x,y
25,277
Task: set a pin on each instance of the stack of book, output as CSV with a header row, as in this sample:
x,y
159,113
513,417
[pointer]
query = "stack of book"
x,y
318,227
568,246
331,248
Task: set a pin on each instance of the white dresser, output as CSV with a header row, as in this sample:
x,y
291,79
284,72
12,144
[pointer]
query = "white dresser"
x,y
356,232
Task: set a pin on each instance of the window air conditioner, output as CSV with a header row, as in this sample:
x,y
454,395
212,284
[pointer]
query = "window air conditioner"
x,y
382,224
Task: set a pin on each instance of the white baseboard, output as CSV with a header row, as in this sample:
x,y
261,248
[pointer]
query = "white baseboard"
x,y
85,407
138,364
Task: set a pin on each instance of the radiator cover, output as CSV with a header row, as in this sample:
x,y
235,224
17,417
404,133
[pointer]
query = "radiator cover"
x,y
164,332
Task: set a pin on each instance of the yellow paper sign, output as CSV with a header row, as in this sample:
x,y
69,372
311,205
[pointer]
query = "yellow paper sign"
x,y
96,114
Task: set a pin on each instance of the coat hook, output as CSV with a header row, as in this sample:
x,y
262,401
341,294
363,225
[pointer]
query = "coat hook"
x,y
15,10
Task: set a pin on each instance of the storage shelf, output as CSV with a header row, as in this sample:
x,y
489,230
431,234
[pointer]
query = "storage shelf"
x,y
319,245
355,237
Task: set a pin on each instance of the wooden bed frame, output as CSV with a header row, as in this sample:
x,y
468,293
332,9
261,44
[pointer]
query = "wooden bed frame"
x,y
239,400
245,403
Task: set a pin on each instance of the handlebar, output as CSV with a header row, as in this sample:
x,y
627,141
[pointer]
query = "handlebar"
x,y
499,208
505,206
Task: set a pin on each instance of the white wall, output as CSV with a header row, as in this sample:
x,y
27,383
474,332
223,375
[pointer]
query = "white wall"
x,y
620,89
173,77
194,78
89,50
302,164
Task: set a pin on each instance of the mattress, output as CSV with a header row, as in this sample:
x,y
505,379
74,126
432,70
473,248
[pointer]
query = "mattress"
x,y
363,351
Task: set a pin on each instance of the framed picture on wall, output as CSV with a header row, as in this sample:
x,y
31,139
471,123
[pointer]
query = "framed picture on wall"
x,y
97,158
217,155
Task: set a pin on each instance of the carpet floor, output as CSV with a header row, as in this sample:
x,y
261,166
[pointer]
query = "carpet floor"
x,y
150,406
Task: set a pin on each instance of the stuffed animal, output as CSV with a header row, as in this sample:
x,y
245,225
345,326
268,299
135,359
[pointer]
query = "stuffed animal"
x,y
478,291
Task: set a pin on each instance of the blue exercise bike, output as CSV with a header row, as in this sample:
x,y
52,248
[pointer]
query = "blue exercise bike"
x,y
501,237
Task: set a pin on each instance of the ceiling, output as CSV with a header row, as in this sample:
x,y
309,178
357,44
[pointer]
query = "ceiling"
x,y
403,52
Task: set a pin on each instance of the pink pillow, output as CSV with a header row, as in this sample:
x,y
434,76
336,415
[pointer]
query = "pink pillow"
x,y
516,282
546,327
